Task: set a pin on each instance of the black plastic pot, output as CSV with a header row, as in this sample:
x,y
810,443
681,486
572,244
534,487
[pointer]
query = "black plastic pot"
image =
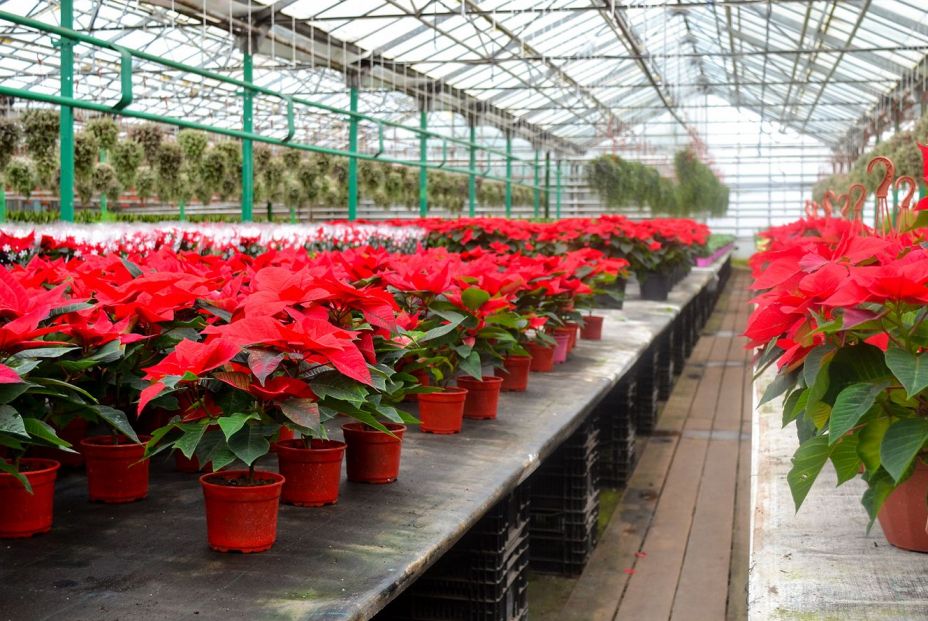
x,y
604,300
655,286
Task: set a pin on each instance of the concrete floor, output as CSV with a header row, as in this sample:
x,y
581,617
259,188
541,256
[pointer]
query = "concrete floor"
x,y
676,542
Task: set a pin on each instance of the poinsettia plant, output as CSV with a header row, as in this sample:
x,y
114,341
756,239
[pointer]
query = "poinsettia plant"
x,y
842,313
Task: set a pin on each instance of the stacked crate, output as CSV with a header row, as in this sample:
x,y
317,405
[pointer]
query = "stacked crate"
x,y
646,393
564,505
666,360
616,421
482,578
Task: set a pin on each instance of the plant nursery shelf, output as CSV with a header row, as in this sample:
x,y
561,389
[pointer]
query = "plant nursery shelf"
x,y
820,563
149,560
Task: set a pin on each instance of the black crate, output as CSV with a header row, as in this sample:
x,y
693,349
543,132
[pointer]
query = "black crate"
x,y
646,393
566,556
616,416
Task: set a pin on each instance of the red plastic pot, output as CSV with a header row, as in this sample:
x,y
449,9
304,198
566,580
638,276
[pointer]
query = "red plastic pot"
x,y
312,474
515,373
442,412
542,357
574,328
23,514
241,518
562,340
283,435
372,455
424,379
116,472
592,329
904,515
482,396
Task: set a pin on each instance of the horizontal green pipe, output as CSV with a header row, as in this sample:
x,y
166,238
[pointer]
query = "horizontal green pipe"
x,y
233,133
84,38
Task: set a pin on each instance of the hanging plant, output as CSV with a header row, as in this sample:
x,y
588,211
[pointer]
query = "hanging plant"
x,y
322,162
272,178
339,170
105,182
261,155
185,189
307,174
145,182
20,176
232,181
393,186
84,189
9,140
212,170
105,130
149,135
126,158
40,130
293,194
86,154
169,162
292,159
193,143
381,198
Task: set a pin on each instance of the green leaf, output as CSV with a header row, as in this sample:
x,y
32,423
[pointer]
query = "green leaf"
x,y
111,352
852,403
908,369
249,444
794,405
11,422
232,424
845,459
814,362
192,434
474,297
782,383
879,486
871,438
471,365
132,268
56,383
337,386
8,468
302,412
902,442
116,419
819,414
263,362
434,333
808,461
44,352
70,308
43,431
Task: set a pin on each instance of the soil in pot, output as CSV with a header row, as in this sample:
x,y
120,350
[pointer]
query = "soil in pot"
x,y
482,396
592,329
116,472
241,512
560,349
542,357
442,412
515,373
904,515
23,514
312,473
372,455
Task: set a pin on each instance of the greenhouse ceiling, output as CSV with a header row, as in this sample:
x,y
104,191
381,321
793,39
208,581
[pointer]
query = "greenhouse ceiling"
x,y
570,74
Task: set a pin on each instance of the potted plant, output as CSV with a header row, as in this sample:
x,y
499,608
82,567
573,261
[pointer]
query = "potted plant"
x,y
844,322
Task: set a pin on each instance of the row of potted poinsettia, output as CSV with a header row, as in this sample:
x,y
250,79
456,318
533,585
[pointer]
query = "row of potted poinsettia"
x,y
219,359
660,251
841,311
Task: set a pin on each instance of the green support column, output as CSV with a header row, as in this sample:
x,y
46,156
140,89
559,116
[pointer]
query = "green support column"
x,y
182,207
537,193
67,116
508,174
103,212
547,184
472,177
557,201
353,161
2,200
248,170
423,160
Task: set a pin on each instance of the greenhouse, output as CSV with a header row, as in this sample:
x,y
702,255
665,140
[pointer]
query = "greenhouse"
x,y
463,310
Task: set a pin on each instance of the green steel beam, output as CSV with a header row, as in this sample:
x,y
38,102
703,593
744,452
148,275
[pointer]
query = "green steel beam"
x,y
557,202
248,170
2,200
66,181
353,160
472,177
536,192
423,161
508,174
102,194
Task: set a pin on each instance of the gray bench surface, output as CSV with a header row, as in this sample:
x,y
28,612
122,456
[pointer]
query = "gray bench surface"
x,y
149,560
820,563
